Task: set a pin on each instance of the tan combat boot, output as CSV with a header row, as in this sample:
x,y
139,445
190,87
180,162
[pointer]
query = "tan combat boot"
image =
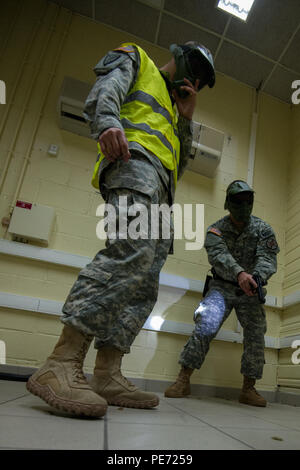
x,y
60,382
249,396
181,388
109,382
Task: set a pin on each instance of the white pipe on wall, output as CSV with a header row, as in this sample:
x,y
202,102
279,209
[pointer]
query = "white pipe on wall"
x,y
45,95
252,148
252,145
11,100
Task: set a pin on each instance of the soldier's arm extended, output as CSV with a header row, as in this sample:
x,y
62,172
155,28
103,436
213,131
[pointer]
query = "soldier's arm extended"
x,y
266,253
185,132
116,74
219,256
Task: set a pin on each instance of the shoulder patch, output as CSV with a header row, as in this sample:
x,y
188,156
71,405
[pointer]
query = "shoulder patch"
x,y
272,243
216,231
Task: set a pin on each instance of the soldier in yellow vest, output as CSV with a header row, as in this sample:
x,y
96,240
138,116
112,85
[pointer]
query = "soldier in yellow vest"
x,y
141,117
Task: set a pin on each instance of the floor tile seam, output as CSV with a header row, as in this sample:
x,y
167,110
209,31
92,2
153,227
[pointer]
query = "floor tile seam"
x,y
239,414
157,424
263,429
18,448
256,428
219,430
23,416
273,422
262,420
244,413
49,418
105,433
287,428
14,399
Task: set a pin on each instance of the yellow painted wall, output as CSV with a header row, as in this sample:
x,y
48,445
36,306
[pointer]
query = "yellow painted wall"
x,y
289,373
292,278
40,44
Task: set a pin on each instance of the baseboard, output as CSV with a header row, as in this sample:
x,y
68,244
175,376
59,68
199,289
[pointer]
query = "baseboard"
x,y
22,373
201,390
288,398
15,373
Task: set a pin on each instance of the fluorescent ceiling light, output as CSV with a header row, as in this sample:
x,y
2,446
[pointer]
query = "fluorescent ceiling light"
x,y
239,8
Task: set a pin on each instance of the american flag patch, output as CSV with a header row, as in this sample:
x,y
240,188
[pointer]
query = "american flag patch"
x,y
125,49
215,231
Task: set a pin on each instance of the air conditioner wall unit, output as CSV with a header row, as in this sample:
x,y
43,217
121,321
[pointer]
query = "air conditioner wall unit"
x,y
70,106
207,149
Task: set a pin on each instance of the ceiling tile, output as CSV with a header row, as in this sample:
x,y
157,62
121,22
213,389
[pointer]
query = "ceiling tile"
x,y
270,25
83,7
268,30
173,30
242,65
291,58
128,15
153,3
202,12
280,84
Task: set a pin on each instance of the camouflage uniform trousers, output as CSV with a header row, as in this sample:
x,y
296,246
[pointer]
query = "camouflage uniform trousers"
x,y
115,293
214,309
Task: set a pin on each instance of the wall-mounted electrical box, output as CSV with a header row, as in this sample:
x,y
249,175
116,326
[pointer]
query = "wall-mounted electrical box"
x,y
207,149
32,222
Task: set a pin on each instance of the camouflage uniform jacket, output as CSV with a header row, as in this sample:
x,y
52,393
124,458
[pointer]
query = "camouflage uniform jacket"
x,y
252,250
117,72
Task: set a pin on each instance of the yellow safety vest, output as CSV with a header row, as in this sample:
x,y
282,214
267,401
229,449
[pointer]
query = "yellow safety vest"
x,y
148,117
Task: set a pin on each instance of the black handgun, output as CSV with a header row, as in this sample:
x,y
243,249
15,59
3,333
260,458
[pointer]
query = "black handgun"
x,y
259,290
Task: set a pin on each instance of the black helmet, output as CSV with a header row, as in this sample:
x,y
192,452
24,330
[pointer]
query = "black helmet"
x,y
194,61
236,187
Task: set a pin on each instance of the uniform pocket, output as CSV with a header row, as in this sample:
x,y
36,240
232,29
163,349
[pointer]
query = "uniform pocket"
x,y
96,272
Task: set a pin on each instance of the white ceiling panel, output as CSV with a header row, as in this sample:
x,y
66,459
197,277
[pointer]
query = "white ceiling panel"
x,y
201,12
242,65
172,30
269,27
128,15
280,84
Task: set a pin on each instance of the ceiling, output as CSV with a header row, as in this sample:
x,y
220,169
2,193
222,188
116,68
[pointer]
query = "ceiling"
x,y
263,52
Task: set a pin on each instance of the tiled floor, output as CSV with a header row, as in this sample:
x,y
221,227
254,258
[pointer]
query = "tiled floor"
x,y
26,422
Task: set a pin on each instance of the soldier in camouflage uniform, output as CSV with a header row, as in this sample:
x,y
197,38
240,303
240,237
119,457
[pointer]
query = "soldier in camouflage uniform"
x,y
116,292
238,246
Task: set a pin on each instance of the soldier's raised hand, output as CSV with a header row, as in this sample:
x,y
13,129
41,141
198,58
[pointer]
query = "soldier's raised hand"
x,y
186,106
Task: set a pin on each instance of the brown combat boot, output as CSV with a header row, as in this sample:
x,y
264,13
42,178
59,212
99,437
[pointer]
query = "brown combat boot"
x,y
181,388
249,396
109,382
60,382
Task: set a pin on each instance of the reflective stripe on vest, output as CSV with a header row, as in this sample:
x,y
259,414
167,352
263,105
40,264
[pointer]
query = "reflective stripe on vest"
x,y
149,120
144,127
156,107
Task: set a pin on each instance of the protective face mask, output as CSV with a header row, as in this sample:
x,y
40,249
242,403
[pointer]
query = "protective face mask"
x,y
240,211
